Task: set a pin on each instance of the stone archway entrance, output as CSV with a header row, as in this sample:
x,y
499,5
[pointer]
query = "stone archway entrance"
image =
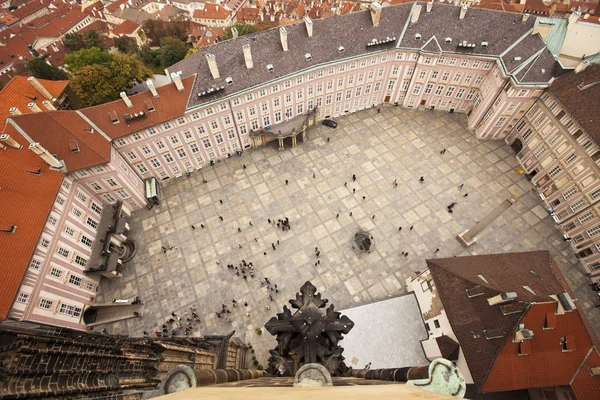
x,y
517,146
294,128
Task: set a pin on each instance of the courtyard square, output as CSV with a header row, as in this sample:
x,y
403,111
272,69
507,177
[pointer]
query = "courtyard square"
x,y
395,144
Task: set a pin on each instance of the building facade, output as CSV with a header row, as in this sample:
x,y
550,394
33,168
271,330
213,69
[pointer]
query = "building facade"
x,y
557,144
405,55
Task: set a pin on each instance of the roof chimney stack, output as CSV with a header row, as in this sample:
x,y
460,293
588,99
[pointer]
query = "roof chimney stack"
x,y
176,78
283,37
416,12
580,67
309,26
38,86
375,13
212,65
48,105
49,158
429,6
463,12
248,56
574,17
234,32
150,85
14,111
525,17
34,107
6,139
126,100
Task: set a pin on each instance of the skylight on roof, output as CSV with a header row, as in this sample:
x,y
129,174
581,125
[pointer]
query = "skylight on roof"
x,y
529,290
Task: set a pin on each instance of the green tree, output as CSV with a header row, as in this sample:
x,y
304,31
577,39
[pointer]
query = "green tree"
x,y
172,50
42,70
190,52
73,41
126,45
100,83
92,39
85,57
155,30
76,41
243,29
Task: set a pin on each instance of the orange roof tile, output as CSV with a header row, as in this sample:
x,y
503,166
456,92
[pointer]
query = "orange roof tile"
x,y
25,198
19,93
585,385
56,129
126,28
539,368
170,104
116,5
30,8
213,11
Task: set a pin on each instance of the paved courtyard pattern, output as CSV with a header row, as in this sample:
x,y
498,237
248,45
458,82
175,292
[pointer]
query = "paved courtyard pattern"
x,y
396,143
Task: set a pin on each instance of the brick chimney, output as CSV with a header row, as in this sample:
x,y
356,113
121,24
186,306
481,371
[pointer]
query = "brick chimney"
x,y
283,37
34,107
49,158
48,105
309,26
7,140
463,12
126,99
525,17
234,32
574,17
429,6
38,86
212,65
248,56
375,13
14,111
416,12
150,85
176,78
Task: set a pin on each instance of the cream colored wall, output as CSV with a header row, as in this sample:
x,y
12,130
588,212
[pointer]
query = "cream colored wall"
x,y
582,39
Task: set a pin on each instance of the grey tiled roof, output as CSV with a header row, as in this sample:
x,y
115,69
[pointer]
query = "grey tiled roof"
x,y
353,32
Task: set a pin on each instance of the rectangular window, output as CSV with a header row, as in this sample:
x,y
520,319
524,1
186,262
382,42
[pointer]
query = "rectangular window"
x,y
593,231
123,193
111,182
70,310
76,212
450,92
63,252
35,264
86,241
219,139
47,304
194,148
439,90
45,243
181,153
168,158
570,159
23,298
167,125
55,272
109,198
206,143
52,220
75,280
578,205
155,163
554,171
91,222
142,168
588,216
80,260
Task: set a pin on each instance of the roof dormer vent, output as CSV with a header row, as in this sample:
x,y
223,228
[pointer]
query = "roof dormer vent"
x,y
448,40
341,49
229,80
270,68
484,44
308,57
418,36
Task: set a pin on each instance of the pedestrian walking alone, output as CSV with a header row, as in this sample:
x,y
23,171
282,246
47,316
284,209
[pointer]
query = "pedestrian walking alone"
x,y
399,229
466,194
437,250
221,217
461,186
353,178
286,182
193,228
421,179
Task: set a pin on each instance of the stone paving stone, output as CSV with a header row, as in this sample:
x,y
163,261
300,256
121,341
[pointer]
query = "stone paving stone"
x,y
397,144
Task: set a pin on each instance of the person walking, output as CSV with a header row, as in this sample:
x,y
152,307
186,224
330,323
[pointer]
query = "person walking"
x,y
461,186
244,166
193,228
250,223
239,230
400,229
337,215
436,250
273,245
350,213
202,226
269,220
364,198
220,201
353,178
345,184
373,217
466,194
221,217
354,190
421,179
411,227
378,110
314,176
286,182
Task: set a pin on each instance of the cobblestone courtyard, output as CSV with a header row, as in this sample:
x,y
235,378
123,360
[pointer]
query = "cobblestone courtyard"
x,y
397,144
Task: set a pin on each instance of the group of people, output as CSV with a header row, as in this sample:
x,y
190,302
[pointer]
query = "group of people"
x,y
176,324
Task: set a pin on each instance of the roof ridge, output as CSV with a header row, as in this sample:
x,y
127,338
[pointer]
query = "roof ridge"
x,y
590,351
482,283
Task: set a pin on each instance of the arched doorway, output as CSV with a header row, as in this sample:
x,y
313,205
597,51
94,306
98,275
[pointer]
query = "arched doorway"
x,y
517,146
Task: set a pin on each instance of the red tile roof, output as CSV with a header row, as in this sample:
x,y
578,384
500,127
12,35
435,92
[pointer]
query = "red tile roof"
x,y
25,199
213,11
7,18
15,49
494,362
19,93
55,130
546,364
116,5
170,104
126,28
580,94
58,23
30,8
584,385
536,7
